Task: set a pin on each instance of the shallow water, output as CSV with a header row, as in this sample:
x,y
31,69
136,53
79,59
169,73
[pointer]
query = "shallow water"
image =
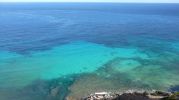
x,y
102,47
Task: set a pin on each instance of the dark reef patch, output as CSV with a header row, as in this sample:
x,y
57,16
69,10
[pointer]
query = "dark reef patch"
x,y
55,89
174,88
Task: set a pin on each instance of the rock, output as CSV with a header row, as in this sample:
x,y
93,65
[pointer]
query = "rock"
x,y
160,93
134,95
54,92
173,96
101,96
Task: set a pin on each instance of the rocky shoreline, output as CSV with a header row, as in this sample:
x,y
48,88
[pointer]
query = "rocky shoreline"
x,y
134,95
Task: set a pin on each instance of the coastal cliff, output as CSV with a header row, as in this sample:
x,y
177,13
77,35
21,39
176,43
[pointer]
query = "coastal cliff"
x,y
134,95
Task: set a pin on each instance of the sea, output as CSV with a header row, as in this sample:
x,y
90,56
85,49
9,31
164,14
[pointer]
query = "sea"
x,y
64,51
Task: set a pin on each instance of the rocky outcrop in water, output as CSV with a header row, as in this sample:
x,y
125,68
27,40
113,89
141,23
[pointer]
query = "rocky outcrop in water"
x,y
134,95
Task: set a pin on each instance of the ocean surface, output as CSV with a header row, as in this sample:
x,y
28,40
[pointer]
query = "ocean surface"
x,y
57,51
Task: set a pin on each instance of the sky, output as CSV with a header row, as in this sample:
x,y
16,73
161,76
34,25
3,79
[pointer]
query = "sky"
x,y
142,1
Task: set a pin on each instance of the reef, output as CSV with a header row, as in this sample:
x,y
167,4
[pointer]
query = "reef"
x,y
86,87
139,77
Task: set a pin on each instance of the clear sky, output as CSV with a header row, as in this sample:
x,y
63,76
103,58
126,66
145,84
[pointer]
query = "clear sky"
x,y
143,1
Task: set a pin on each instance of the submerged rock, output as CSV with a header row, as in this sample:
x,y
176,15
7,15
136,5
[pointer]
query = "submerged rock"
x,y
174,88
54,92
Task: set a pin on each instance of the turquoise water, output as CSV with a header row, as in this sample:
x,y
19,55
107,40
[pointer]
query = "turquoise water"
x,y
60,61
82,48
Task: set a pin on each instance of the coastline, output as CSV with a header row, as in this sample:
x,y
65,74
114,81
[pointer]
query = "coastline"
x,y
133,95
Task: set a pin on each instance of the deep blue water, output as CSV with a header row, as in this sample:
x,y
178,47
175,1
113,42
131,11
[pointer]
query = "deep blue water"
x,y
26,27
133,45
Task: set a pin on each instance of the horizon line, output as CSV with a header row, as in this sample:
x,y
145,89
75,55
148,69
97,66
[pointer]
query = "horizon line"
x,y
84,2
